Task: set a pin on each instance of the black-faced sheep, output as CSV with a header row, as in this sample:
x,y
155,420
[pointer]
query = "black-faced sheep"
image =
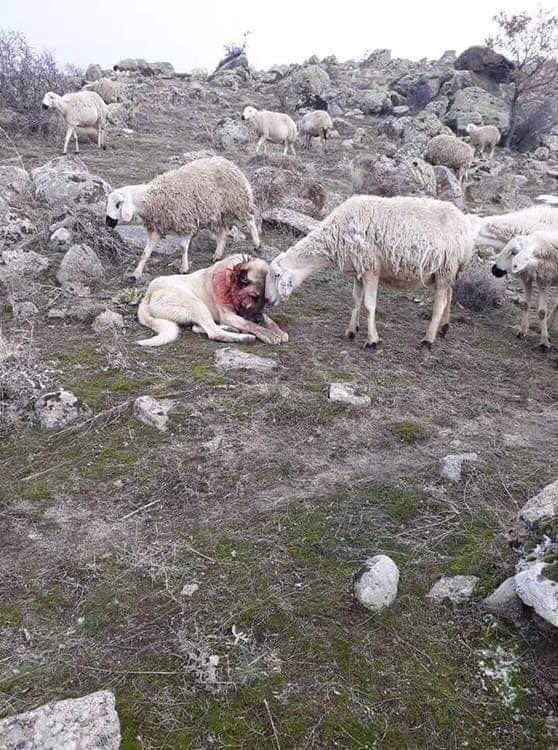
x,y
450,151
82,109
206,193
403,241
275,127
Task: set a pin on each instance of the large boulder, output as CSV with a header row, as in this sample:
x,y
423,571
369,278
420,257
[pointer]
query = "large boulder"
x,y
475,105
80,264
415,132
67,180
538,591
393,175
230,133
86,723
541,508
307,86
14,227
375,101
486,62
15,183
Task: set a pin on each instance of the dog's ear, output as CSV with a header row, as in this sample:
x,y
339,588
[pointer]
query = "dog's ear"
x,y
240,275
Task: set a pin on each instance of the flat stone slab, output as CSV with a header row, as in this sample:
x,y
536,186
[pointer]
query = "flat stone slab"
x,y
88,723
229,358
541,507
346,393
457,589
286,217
452,465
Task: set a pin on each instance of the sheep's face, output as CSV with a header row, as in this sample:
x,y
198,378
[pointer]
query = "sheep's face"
x,y
280,283
524,261
249,114
48,100
119,207
470,128
503,262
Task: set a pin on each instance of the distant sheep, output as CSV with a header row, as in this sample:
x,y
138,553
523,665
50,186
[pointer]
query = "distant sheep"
x,y
276,127
534,259
82,109
110,91
207,193
316,124
452,152
484,138
402,241
496,231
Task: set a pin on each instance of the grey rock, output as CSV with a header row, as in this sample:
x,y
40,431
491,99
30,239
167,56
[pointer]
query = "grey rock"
x,y
346,393
230,358
379,58
375,101
452,465
67,180
16,262
539,592
152,411
230,133
80,264
93,72
25,310
14,228
475,105
447,186
284,217
15,183
108,322
375,584
306,85
457,589
542,507
393,175
505,603
60,237
60,409
87,723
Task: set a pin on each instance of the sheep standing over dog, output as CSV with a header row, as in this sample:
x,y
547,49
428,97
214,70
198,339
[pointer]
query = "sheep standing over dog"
x,y
452,152
82,109
403,241
276,127
228,295
484,138
496,231
316,124
207,193
534,259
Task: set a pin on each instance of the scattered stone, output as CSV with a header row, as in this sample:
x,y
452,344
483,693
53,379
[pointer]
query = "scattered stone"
x,y
108,322
16,262
15,183
457,589
60,409
345,393
14,228
87,723
189,589
230,133
539,592
375,584
230,358
299,223
67,180
25,310
60,237
452,465
80,264
542,507
505,603
153,412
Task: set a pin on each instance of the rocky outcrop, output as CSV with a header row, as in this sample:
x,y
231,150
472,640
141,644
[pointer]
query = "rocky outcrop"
x,y
67,180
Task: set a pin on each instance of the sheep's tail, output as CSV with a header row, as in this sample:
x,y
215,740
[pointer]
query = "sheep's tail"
x,y
167,330
551,200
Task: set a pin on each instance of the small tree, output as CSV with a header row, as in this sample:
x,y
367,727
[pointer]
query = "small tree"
x,y
530,41
232,51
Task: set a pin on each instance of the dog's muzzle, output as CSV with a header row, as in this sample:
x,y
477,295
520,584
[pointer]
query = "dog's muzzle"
x,y
110,222
498,272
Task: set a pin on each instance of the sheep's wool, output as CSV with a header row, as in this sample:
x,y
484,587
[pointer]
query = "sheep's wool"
x,y
207,193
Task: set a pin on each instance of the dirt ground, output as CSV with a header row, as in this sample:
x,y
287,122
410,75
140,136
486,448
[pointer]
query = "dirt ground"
x,y
268,497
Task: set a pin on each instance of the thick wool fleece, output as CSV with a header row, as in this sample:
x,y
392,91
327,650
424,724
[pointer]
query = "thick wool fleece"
x,y
207,193
449,151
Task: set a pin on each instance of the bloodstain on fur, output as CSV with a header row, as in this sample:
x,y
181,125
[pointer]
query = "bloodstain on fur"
x,y
235,290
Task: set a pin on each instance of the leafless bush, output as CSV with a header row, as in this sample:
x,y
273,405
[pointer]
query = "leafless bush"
x,y
22,377
478,290
25,77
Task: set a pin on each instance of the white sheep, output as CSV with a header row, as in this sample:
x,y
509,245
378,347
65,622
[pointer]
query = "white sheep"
x,y
403,241
275,127
452,152
316,124
82,109
534,259
207,193
110,91
483,138
497,230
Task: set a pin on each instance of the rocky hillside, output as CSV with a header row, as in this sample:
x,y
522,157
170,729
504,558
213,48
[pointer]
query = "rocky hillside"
x,y
284,546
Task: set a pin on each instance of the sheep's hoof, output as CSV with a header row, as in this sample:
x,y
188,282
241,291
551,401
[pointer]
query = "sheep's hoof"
x,y
544,348
350,334
426,345
520,335
443,330
372,347
130,279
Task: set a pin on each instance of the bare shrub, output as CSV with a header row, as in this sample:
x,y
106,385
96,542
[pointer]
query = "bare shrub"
x,y
22,377
477,289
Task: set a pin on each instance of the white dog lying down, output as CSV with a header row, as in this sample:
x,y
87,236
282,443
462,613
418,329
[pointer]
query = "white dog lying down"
x,y
225,301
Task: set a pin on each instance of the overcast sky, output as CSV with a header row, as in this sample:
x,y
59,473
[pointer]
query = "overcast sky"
x,y
191,33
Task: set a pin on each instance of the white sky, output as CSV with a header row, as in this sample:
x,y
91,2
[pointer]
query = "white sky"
x,y
191,33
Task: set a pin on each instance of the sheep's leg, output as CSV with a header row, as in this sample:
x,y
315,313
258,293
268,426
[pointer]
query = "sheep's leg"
x,y
552,316
254,234
221,243
324,140
99,135
526,302
286,148
152,239
293,149
184,262
261,142
67,139
358,293
439,307
445,323
544,345
76,140
370,284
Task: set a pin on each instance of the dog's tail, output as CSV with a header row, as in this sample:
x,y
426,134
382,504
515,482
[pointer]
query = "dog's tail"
x,y
167,330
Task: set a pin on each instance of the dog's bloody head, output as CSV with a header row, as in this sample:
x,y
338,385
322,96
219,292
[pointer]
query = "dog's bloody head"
x,y
242,288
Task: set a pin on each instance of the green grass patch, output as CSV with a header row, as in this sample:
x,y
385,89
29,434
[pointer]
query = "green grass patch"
x,y
408,432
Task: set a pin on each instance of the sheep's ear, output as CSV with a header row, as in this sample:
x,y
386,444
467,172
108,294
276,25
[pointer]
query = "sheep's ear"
x,y
127,209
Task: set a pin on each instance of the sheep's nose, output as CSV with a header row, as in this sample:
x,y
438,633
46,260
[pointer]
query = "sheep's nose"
x,y
110,222
45,106
498,272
